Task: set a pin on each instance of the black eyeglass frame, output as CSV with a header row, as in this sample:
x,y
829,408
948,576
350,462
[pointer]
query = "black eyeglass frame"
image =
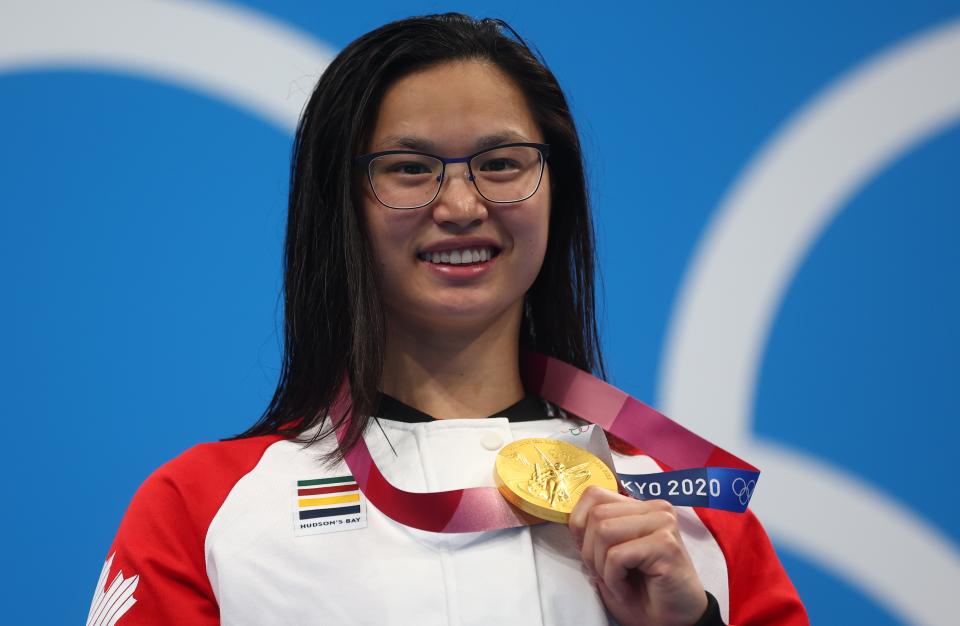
x,y
365,160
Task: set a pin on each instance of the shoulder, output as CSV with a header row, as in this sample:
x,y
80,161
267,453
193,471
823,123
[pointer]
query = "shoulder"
x,y
752,564
157,558
209,466
184,494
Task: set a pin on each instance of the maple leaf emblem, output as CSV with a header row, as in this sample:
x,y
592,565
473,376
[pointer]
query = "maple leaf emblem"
x,y
111,603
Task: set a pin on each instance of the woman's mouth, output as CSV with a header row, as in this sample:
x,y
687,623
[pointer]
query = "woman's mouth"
x,y
464,256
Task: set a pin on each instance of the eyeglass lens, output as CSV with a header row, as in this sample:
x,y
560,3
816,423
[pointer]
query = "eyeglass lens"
x,y
404,181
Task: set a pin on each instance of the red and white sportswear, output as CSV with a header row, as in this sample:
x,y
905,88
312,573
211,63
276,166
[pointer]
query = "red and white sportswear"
x,y
260,532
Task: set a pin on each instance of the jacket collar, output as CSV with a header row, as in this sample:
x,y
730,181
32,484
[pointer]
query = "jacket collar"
x,y
530,408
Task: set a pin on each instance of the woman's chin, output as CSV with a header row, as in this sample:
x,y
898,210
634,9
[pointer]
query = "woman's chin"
x,y
461,314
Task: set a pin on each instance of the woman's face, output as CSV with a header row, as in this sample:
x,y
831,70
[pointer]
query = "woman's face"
x,y
453,110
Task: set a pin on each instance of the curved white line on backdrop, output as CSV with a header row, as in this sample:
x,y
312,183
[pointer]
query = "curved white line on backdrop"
x,y
228,53
754,246
858,532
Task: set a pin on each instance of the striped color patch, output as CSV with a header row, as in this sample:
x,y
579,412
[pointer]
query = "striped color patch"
x,y
326,505
319,491
329,500
325,481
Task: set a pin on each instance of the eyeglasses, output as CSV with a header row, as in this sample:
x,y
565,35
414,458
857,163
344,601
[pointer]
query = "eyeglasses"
x,y
405,179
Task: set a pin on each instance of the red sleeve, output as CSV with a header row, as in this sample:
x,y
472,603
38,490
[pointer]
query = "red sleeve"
x,y
155,573
760,591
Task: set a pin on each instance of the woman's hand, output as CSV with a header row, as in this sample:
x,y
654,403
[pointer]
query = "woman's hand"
x,y
634,553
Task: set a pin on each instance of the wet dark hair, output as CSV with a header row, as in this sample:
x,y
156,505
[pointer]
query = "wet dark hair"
x,y
333,318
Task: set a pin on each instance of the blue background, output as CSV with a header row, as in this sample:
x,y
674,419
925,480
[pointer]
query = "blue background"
x,y
141,229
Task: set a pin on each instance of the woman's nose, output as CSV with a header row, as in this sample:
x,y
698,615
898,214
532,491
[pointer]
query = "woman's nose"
x,y
459,202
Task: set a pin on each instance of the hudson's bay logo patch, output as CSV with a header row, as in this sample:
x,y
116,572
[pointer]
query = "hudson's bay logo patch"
x,y
327,505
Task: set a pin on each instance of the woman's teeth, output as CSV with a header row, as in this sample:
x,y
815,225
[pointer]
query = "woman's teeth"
x,y
458,257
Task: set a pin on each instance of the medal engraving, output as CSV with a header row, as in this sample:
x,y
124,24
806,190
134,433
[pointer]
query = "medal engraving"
x,y
552,482
545,477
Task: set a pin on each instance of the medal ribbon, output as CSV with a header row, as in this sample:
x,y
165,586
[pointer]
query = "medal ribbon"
x,y
709,476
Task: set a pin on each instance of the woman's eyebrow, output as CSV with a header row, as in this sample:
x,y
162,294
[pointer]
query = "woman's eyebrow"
x,y
407,141
506,136
420,144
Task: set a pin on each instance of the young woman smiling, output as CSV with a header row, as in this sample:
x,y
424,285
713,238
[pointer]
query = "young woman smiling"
x,y
438,226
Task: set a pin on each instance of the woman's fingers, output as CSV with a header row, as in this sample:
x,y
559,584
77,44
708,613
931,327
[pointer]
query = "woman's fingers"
x,y
602,530
656,554
591,497
634,552
603,519
609,533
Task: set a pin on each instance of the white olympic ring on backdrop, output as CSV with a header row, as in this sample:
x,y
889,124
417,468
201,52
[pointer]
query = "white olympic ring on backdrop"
x,y
745,491
742,268
229,53
756,241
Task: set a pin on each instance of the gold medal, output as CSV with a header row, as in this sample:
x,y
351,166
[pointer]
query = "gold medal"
x,y
545,477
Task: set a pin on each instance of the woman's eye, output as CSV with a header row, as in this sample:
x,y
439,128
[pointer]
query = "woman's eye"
x,y
410,169
499,165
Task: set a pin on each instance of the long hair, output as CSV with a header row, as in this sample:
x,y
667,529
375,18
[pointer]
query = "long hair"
x,y
333,318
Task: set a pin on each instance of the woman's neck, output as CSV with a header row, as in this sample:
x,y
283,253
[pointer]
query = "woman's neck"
x,y
454,374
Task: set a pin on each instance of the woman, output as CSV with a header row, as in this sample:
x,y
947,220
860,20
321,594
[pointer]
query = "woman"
x,y
438,223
